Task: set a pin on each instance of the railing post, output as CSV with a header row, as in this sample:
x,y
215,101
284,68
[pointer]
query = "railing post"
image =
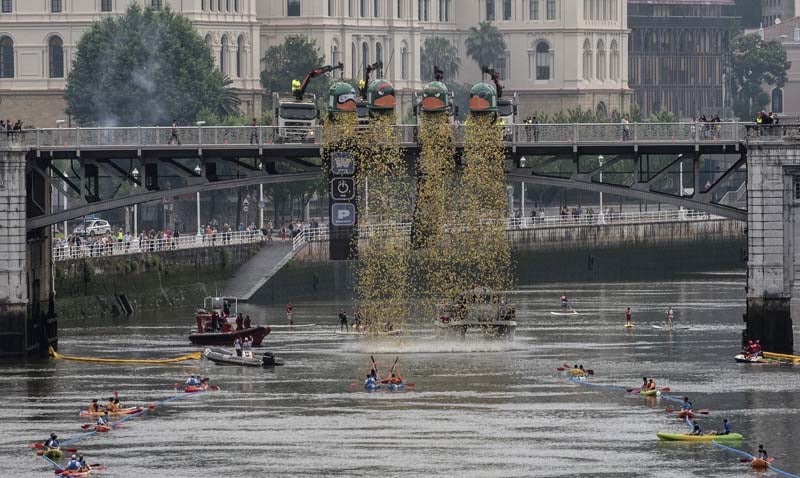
x,y
139,137
200,137
77,137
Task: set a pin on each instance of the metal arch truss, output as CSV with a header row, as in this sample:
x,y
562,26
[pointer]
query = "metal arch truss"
x,y
643,189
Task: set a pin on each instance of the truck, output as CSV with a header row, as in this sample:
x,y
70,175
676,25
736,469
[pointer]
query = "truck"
x,y
506,107
296,114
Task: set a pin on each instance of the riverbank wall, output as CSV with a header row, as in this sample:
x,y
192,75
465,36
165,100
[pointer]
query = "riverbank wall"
x,y
92,287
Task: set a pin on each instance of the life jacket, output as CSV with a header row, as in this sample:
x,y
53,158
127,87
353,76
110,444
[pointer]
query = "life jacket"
x,y
51,443
652,385
111,407
94,407
73,465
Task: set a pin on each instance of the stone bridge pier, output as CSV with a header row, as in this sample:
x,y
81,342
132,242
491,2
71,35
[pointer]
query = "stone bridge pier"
x,y
27,320
773,242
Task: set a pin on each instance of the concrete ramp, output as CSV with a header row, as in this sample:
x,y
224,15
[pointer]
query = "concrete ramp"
x,y
253,274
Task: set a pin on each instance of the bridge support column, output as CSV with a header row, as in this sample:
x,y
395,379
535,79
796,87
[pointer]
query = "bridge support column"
x,y
773,243
26,306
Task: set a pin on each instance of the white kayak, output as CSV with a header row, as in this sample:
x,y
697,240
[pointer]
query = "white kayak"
x,y
298,326
363,332
574,312
662,327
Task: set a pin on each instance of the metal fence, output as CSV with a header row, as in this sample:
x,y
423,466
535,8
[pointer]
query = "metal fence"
x,y
260,136
103,246
322,234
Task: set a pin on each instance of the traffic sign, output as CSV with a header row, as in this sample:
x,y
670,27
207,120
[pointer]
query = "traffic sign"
x,y
342,189
342,163
343,214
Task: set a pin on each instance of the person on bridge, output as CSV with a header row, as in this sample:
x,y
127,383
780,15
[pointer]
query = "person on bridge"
x,y
628,317
289,314
174,133
343,321
254,132
564,302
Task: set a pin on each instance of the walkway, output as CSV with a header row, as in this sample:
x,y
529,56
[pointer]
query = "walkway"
x,y
254,273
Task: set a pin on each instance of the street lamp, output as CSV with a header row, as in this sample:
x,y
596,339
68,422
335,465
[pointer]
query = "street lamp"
x,y
197,171
680,182
602,218
135,174
60,122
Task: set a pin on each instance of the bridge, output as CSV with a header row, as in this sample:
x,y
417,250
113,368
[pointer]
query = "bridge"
x,y
703,167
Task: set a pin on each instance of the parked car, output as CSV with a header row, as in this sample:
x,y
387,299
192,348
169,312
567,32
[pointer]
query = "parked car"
x,y
92,227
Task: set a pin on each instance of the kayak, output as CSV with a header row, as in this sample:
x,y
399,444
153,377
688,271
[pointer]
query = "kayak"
x,y
648,393
664,436
564,313
195,388
372,388
741,358
686,413
760,463
124,411
102,428
53,453
394,387
578,378
74,474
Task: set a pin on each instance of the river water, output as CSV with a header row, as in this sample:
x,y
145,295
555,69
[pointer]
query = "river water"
x,y
489,409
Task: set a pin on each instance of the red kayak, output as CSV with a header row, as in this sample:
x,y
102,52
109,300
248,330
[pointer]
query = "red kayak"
x,y
686,414
102,428
195,388
226,338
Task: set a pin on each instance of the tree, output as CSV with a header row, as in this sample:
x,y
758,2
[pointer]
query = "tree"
x,y
485,44
755,63
291,60
438,51
143,68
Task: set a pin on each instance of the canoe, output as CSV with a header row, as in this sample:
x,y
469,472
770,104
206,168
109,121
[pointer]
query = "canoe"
x,y
218,338
686,413
222,356
664,436
74,474
124,411
395,387
564,313
53,453
372,388
102,428
742,359
195,388
648,393
760,463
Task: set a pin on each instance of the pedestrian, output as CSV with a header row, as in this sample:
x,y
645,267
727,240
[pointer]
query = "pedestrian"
x,y
343,321
253,132
628,317
247,322
289,314
174,133
239,321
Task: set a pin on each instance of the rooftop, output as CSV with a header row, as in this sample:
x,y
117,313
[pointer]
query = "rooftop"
x,y
783,31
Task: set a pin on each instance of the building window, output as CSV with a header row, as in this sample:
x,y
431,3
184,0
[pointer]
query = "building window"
x,y
489,10
56,54
223,55
55,6
399,8
602,111
614,65
156,4
292,8
441,10
542,61
447,10
378,52
777,100
587,60
236,5
403,63
240,52
506,10
551,9
375,8
533,9
211,5
363,8
6,6
601,61
330,8
105,5
227,5
426,9
502,67
334,54
797,188
6,57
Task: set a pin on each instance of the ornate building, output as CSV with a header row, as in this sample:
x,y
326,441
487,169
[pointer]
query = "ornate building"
x,y
781,10
560,53
678,55
38,42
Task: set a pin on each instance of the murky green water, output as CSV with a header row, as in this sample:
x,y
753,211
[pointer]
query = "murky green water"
x,y
479,409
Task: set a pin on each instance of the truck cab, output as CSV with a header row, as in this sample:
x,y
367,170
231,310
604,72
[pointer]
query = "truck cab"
x,y
297,120
507,114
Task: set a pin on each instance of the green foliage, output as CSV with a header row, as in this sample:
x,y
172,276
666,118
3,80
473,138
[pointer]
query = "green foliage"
x,y
663,117
580,115
485,44
438,51
292,60
143,68
754,63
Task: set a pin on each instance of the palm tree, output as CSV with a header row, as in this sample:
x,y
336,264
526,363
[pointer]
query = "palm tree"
x,y
229,106
485,44
438,51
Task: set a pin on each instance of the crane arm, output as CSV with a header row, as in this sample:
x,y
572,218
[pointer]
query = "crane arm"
x,y
438,74
298,93
495,79
364,83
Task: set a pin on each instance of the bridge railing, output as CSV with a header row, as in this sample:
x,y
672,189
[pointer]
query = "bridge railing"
x,y
322,234
112,247
249,136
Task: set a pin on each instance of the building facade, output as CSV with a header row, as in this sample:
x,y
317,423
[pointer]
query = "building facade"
x,y
678,55
560,53
786,100
38,42
776,11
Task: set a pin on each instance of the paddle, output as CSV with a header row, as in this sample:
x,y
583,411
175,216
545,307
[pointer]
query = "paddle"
x,y
375,366
560,369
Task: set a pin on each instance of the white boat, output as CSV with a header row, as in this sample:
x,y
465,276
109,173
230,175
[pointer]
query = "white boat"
x,y
573,312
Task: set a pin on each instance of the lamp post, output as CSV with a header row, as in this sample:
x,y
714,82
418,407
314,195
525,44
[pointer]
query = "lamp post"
x,y
198,170
602,217
680,183
135,174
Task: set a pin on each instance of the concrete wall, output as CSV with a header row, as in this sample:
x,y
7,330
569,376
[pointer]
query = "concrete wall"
x,y
87,287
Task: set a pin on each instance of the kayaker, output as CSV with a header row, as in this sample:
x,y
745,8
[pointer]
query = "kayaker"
x,y
289,313
628,317
762,453
110,406
748,351
644,383
395,379
651,384
564,302
370,380
343,321
696,428
102,420
757,348
73,464
686,405
82,462
117,405
373,373
727,427
237,346
192,381
52,442
95,407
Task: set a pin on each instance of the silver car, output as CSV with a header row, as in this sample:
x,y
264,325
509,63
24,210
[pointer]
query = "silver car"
x,y
93,227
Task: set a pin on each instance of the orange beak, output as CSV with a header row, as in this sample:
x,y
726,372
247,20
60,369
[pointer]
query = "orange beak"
x,y
430,103
476,103
387,101
349,105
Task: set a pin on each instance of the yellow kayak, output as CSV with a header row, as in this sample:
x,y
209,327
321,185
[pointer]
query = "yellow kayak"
x,y
121,412
53,453
664,436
